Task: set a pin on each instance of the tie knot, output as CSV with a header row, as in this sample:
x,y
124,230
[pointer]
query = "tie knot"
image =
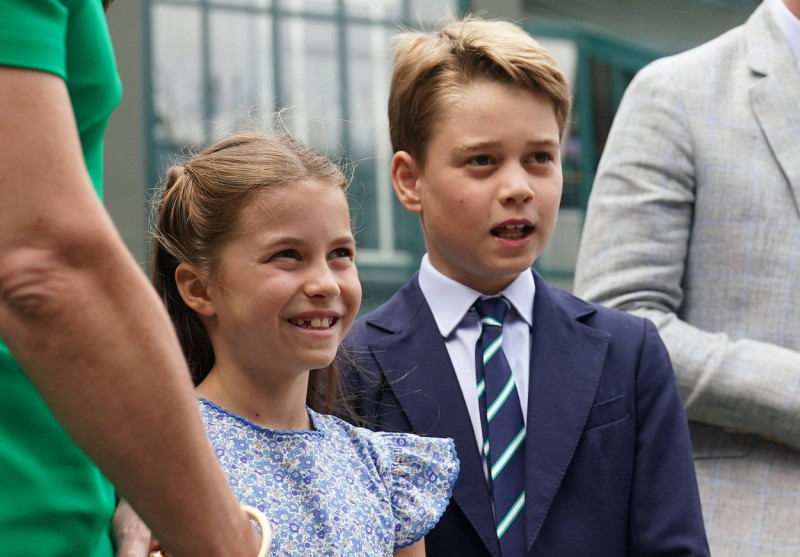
x,y
492,311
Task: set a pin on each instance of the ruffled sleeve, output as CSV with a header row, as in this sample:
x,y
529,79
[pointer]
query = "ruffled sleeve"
x,y
420,473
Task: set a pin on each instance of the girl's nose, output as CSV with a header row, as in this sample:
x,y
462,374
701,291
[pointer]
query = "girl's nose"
x,y
321,281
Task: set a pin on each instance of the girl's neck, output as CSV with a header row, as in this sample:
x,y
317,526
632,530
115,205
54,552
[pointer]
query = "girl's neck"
x,y
277,405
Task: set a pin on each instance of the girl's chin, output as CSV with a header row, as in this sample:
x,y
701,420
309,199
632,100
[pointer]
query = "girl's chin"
x,y
320,363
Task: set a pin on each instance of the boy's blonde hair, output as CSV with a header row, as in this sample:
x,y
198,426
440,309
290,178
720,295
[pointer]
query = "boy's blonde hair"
x,y
432,68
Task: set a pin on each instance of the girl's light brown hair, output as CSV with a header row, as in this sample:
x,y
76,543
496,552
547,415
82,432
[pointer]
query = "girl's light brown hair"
x,y
196,211
431,68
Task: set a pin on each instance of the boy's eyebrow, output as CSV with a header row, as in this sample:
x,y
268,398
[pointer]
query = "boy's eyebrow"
x,y
472,147
480,145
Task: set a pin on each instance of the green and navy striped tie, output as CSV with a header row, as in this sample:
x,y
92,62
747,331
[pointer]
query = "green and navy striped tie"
x,y
503,428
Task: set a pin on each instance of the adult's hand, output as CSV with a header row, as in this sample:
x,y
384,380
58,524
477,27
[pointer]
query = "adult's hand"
x,y
132,536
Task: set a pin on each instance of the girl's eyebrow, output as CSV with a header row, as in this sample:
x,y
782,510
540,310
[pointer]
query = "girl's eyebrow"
x,y
294,241
349,239
283,240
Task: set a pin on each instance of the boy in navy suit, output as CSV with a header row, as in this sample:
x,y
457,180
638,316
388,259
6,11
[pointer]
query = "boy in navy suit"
x,y
590,451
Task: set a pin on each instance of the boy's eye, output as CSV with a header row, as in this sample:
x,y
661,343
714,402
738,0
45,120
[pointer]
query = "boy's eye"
x,y
480,160
542,157
286,254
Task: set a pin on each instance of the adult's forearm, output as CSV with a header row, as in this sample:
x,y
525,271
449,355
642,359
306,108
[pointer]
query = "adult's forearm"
x,y
737,383
94,339
80,317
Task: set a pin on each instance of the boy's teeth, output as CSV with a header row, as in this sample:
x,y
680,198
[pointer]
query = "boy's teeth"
x,y
511,231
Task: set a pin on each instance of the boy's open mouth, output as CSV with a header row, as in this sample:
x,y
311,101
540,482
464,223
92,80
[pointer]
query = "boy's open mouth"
x,y
512,231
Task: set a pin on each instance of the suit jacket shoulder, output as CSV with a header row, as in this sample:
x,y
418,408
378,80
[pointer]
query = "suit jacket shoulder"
x,y
600,386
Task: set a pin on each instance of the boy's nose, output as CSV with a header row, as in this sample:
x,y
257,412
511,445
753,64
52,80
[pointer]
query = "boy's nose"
x,y
516,187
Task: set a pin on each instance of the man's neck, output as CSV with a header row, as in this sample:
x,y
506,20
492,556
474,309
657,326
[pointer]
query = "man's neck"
x,y
794,7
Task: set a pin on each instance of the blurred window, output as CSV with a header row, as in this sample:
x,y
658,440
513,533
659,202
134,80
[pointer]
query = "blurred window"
x,y
218,66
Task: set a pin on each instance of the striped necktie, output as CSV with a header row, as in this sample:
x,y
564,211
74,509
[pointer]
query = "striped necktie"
x,y
503,428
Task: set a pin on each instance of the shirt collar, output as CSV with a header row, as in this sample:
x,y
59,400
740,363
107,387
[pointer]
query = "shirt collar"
x,y
789,24
450,300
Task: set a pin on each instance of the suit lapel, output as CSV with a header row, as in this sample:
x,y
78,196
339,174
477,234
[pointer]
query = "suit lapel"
x,y
563,382
417,365
774,96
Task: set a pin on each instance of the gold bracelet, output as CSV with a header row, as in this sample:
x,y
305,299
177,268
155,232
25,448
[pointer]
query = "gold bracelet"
x,y
263,524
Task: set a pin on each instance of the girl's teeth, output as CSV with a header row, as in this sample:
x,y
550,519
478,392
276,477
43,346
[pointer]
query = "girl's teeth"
x,y
314,322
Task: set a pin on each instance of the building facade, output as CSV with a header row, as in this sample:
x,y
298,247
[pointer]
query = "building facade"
x,y
194,70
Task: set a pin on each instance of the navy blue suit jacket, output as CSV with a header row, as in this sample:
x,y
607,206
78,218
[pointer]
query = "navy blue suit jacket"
x,y
609,468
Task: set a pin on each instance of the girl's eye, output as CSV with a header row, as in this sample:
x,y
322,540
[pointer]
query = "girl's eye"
x,y
542,157
346,253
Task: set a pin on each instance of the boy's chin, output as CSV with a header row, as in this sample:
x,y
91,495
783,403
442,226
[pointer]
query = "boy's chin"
x,y
494,282
516,265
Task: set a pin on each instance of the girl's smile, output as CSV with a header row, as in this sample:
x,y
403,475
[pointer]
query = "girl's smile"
x,y
254,258
316,322
288,291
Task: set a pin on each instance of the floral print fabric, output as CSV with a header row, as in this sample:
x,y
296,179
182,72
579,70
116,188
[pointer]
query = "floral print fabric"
x,y
338,489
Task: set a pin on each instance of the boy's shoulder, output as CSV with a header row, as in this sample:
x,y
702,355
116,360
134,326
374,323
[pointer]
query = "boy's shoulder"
x,y
405,309
617,323
399,311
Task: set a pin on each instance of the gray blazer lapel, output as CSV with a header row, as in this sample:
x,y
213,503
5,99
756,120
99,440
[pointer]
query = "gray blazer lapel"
x,y
566,363
775,95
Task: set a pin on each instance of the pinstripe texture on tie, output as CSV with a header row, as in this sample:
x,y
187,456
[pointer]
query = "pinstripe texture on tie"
x,y
503,427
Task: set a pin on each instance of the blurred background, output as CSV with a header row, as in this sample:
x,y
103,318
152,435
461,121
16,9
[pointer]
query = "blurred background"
x,y
194,70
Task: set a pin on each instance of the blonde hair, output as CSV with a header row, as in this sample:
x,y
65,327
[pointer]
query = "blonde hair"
x,y
432,67
196,211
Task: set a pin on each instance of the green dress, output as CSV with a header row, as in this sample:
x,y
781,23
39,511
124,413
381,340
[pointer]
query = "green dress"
x,y
53,500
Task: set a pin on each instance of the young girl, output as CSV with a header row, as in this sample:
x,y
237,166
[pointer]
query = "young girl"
x,y
253,255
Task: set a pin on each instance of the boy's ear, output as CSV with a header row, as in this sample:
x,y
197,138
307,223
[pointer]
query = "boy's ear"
x,y
193,288
405,174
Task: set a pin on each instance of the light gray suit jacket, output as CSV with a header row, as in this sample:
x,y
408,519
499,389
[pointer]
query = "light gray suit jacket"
x,y
694,222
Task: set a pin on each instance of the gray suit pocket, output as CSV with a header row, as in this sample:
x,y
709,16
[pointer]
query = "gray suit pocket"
x,y
607,412
712,442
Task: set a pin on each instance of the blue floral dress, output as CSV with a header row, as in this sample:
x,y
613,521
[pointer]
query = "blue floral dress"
x,y
337,489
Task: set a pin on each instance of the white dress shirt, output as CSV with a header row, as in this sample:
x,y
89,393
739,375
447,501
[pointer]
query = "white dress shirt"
x,y
789,24
450,302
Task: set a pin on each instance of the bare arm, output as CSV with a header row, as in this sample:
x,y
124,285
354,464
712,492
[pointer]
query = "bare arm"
x,y
80,317
415,550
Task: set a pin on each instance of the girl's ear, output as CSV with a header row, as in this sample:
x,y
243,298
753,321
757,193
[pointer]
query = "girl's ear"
x,y
193,288
405,180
